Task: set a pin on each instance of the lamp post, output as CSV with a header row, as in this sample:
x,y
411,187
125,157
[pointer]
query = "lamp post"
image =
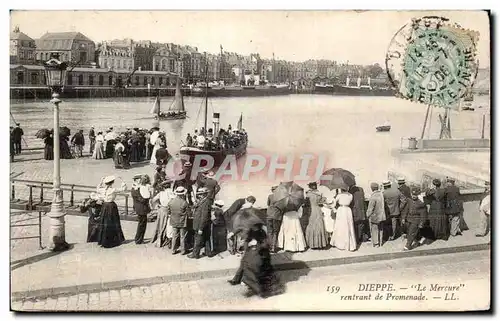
x,y
55,72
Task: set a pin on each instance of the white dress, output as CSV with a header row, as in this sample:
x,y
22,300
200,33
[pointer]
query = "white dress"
x,y
291,238
327,215
155,149
344,237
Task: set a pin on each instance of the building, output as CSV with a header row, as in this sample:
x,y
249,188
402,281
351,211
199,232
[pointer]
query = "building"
x,y
116,58
22,48
73,47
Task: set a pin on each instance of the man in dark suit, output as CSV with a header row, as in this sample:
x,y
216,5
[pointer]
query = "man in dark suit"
x,y
453,206
405,190
141,195
358,209
178,211
229,213
201,223
17,136
92,139
211,185
274,219
394,201
415,219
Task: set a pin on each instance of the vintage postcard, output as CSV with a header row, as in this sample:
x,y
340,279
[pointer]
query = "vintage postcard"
x,y
250,160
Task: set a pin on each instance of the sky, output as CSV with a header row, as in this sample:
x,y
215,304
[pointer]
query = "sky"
x,y
357,37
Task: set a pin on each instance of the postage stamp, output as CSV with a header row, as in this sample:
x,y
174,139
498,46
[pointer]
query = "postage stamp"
x,y
432,61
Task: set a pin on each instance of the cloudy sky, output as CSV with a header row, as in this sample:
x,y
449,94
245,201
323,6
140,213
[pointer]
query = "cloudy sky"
x,y
360,37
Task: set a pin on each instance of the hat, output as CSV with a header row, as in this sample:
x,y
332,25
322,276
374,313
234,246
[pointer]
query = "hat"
x,y
203,190
210,174
401,180
374,186
386,183
274,188
140,128
312,184
109,179
137,176
415,191
218,203
180,190
436,182
187,164
136,128
450,179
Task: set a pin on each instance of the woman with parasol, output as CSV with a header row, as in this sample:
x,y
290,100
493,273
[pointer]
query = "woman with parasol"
x,y
48,140
111,233
344,236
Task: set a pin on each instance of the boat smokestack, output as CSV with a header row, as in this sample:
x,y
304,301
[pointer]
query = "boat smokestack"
x,y
216,118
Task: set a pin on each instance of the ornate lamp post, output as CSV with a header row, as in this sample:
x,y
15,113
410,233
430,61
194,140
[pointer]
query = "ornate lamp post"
x,y
55,72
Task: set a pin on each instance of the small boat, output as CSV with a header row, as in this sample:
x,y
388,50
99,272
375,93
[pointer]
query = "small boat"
x,y
176,110
385,128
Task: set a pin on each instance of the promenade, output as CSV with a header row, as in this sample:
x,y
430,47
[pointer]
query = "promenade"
x,y
87,268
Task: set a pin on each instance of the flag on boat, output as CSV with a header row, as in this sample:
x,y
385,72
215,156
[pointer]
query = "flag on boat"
x,y
240,122
156,106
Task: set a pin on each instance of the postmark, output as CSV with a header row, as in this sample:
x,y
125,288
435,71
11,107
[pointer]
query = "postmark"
x,y
432,61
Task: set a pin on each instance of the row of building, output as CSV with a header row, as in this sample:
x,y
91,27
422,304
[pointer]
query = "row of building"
x,y
128,56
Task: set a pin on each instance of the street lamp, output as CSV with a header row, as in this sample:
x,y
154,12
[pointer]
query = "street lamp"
x,y
55,72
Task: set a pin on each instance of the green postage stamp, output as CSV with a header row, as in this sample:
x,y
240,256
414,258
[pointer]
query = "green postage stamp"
x,y
432,61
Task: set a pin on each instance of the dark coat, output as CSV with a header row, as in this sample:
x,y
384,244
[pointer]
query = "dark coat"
x,y
417,212
405,190
358,205
453,204
235,207
273,212
435,199
178,210
91,134
141,204
212,186
394,200
78,139
201,214
17,134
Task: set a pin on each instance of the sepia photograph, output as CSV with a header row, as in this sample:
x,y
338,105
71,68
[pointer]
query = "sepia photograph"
x,y
250,160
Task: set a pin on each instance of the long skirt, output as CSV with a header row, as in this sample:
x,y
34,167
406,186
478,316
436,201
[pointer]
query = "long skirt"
x,y
111,233
344,237
94,224
258,272
65,151
316,237
121,160
161,237
135,154
48,152
439,227
110,148
218,239
291,238
98,151
153,155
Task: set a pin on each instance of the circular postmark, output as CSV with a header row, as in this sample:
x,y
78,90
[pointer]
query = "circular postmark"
x,y
432,61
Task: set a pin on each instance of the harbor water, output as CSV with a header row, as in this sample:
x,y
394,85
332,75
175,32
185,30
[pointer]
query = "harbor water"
x,y
342,128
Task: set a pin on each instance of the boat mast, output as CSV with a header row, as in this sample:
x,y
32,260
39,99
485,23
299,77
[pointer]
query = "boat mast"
x,y
158,99
206,93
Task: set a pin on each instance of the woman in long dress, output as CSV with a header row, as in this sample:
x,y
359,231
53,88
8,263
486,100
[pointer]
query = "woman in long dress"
x,y
291,237
121,156
99,147
111,233
438,228
218,235
155,142
92,206
163,232
344,237
48,151
316,237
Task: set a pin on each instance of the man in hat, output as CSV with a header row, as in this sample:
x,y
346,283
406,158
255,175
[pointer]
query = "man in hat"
x,y
403,188
274,219
485,212
201,224
178,210
211,185
237,205
17,136
12,145
92,140
78,140
394,200
140,196
376,215
186,182
453,206
415,219
358,209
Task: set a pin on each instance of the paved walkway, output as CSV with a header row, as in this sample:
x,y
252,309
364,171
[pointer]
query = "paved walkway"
x,y
87,267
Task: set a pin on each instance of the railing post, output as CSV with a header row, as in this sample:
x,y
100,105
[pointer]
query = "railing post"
x,y
13,192
126,204
72,197
40,229
41,193
30,200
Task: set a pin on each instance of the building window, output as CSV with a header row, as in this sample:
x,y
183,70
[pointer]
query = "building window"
x,y
137,81
152,81
91,80
83,56
80,79
119,84
69,79
160,81
20,78
145,81
101,80
110,80
34,79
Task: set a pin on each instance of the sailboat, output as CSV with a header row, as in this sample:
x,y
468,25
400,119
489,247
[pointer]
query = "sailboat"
x,y
176,109
222,144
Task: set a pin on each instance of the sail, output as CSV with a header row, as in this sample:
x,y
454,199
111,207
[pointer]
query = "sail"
x,y
240,122
178,103
156,107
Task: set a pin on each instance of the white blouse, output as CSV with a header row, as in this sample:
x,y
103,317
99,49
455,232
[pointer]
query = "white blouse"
x,y
108,194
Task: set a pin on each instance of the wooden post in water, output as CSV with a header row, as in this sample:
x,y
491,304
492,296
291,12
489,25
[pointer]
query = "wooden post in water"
x,y
425,122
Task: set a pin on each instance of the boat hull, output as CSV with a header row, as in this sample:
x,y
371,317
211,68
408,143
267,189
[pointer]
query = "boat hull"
x,y
383,128
241,92
218,155
355,91
323,90
174,117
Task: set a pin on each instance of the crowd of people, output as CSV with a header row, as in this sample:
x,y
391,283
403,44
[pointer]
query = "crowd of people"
x,y
225,139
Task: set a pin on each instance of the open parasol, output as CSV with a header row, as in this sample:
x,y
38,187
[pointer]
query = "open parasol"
x,y
245,219
42,133
64,131
339,178
288,196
